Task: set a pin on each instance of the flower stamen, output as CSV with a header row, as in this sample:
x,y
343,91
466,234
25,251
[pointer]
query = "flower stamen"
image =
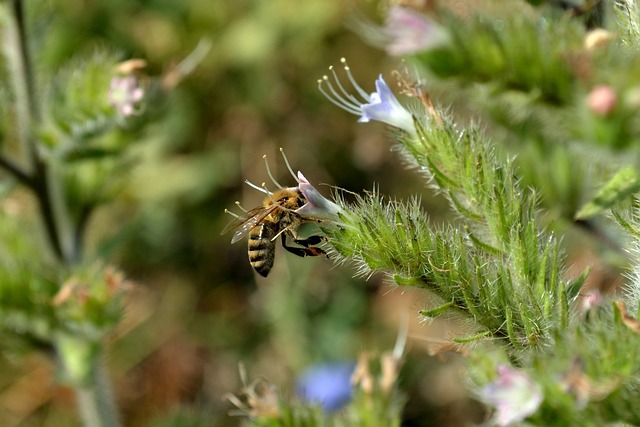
x,y
240,206
336,99
233,214
356,86
266,163
347,95
286,162
257,187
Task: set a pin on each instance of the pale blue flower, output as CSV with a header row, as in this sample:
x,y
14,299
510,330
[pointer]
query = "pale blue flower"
x,y
514,395
317,206
327,385
381,105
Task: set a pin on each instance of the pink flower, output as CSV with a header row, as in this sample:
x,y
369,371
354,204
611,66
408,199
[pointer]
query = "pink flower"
x,y
124,94
514,395
602,100
408,31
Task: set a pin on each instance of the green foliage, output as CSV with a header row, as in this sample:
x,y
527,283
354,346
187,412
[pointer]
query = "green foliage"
x,y
518,52
36,311
376,401
618,188
579,388
500,269
77,105
628,18
540,147
497,265
546,120
28,287
53,296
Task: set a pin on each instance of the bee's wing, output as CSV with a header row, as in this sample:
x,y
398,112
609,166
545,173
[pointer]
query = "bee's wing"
x,y
246,222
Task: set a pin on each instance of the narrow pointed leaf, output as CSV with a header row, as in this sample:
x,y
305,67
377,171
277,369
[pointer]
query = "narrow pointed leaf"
x,y
621,186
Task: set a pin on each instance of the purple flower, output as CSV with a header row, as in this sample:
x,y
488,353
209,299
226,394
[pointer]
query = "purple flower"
x,y
328,385
317,206
407,31
514,395
124,94
381,105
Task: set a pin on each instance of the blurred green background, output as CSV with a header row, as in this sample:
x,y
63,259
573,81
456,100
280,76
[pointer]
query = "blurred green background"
x,y
196,308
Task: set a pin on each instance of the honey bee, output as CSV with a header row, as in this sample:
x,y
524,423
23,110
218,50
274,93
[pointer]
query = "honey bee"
x,y
275,218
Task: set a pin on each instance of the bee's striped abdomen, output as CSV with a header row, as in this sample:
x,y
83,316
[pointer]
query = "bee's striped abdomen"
x,y
262,248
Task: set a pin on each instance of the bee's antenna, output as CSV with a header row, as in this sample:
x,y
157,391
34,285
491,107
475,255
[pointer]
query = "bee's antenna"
x,y
262,189
227,211
240,206
286,161
266,163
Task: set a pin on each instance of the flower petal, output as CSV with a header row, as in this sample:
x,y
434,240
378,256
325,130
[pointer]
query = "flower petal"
x,y
384,107
514,395
410,32
317,206
328,385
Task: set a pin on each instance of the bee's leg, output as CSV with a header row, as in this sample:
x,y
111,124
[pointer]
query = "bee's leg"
x,y
309,241
306,250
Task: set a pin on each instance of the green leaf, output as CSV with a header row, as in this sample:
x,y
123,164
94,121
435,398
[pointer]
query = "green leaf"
x,y
622,185
471,338
435,312
79,153
575,285
630,227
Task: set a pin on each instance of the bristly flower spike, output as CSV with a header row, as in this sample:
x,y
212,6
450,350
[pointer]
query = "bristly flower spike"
x,y
381,105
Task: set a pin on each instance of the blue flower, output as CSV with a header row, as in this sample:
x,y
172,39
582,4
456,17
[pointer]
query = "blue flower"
x,y
327,385
381,105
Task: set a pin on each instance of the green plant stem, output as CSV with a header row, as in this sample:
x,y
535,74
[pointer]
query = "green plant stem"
x,y
27,116
47,209
16,171
19,63
95,400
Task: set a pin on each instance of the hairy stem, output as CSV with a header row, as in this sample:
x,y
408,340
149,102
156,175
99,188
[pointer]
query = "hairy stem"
x,y
16,171
27,116
20,71
96,402
38,173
